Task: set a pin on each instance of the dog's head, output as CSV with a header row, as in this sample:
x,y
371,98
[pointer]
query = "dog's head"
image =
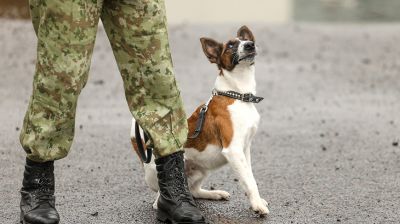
x,y
238,51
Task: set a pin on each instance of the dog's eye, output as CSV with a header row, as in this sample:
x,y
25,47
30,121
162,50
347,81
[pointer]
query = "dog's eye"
x,y
230,45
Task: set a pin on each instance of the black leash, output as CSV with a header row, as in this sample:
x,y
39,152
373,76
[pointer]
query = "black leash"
x,y
144,151
202,116
245,97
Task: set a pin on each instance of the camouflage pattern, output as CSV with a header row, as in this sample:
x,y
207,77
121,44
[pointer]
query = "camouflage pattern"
x,y
66,32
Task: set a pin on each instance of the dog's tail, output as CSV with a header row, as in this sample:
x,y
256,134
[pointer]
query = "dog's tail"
x,y
149,168
133,140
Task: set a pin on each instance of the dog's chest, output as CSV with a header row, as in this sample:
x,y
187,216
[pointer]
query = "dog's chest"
x,y
245,118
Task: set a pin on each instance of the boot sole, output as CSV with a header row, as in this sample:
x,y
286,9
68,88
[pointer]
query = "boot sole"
x,y
21,219
24,222
164,217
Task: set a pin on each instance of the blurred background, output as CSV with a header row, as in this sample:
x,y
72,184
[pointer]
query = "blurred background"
x,y
327,148
270,11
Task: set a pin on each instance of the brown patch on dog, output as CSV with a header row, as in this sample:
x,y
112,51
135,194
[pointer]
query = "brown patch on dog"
x,y
217,127
212,49
227,58
136,148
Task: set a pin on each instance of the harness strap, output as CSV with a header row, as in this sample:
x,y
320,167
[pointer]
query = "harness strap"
x,y
144,151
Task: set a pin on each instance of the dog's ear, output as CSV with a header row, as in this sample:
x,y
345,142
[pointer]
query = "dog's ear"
x,y
244,33
212,49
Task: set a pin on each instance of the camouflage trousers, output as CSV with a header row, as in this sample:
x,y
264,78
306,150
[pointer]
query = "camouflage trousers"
x,y
66,32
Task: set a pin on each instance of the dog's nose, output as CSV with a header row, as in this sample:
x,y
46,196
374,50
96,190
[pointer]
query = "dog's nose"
x,y
249,46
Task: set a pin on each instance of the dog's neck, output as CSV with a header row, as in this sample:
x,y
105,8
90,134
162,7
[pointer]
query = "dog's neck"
x,y
241,79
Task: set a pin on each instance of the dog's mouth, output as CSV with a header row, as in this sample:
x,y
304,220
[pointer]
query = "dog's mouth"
x,y
248,57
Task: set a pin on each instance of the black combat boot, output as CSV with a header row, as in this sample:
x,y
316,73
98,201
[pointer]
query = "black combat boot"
x,y
175,203
37,194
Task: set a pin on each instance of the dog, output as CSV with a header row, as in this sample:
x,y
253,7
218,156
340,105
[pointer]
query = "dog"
x,y
229,123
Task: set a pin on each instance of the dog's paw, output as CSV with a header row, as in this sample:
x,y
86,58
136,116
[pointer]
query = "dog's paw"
x,y
155,205
220,195
211,195
265,202
260,207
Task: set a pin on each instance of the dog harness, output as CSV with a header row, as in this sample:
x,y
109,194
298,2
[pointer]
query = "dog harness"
x,y
245,97
145,152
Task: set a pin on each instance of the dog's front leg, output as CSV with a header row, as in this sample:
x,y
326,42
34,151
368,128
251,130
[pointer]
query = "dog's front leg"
x,y
237,160
156,201
247,152
247,147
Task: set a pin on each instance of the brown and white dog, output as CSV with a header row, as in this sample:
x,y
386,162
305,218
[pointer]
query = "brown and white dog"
x,y
229,126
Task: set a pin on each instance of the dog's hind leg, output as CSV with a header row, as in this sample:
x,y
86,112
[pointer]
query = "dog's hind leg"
x,y
196,179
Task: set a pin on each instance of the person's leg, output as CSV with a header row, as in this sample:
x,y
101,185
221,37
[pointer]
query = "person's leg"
x,y
66,32
138,34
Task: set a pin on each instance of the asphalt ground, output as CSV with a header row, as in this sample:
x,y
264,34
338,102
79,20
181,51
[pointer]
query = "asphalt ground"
x,y
326,150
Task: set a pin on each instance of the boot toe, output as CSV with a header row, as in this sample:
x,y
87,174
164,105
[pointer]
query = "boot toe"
x,y
42,217
190,215
193,218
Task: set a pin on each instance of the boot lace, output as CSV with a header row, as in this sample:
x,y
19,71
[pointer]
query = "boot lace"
x,y
44,193
179,183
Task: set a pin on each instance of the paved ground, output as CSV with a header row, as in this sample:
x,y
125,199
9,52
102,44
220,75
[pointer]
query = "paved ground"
x,y
325,151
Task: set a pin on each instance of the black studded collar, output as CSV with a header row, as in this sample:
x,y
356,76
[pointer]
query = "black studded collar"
x,y
245,97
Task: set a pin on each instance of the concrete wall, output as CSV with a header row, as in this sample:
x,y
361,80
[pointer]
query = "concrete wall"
x,y
261,11
346,10
204,11
228,11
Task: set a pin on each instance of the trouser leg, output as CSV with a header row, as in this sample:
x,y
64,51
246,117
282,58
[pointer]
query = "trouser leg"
x,y
66,31
138,34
